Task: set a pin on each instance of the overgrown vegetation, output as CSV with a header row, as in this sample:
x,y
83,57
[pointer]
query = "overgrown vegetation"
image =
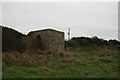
x,y
83,58
11,40
98,63
77,42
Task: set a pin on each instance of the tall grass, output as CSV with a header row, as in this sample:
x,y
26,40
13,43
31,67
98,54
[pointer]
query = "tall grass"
x,y
99,62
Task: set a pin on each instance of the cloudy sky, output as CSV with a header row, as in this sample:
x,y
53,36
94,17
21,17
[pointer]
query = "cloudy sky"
x,y
83,18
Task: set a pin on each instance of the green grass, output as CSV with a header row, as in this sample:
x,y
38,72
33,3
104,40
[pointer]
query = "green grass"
x,y
80,64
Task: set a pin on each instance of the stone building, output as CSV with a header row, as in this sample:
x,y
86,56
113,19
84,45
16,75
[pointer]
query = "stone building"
x,y
47,39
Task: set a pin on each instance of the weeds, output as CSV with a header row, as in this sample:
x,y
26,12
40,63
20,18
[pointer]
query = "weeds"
x,y
78,63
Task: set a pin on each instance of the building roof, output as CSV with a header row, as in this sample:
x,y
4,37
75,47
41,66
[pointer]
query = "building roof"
x,y
45,30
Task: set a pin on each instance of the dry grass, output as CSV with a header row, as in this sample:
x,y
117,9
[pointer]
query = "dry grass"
x,y
31,58
100,62
16,58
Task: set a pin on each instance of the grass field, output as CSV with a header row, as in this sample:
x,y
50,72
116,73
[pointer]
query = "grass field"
x,y
83,63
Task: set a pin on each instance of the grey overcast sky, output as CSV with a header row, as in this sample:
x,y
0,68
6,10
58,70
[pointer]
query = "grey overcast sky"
x,y
83,18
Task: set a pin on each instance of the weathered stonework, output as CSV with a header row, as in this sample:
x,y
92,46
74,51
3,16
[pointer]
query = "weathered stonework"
x,y
47,39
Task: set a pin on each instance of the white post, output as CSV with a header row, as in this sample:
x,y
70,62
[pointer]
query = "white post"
x,y
69,34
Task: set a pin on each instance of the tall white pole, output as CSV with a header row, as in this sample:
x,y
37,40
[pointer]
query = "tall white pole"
x,y
69,34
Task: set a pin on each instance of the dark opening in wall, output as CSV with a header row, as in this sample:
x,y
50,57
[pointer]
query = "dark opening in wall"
x,y
38,43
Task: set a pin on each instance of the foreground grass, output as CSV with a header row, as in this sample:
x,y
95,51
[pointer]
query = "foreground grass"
x,y
98,63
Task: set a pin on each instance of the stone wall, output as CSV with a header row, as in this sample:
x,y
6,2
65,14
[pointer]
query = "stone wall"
x,y
47,39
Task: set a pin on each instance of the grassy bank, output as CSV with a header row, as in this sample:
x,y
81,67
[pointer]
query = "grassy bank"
x,y
79,63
